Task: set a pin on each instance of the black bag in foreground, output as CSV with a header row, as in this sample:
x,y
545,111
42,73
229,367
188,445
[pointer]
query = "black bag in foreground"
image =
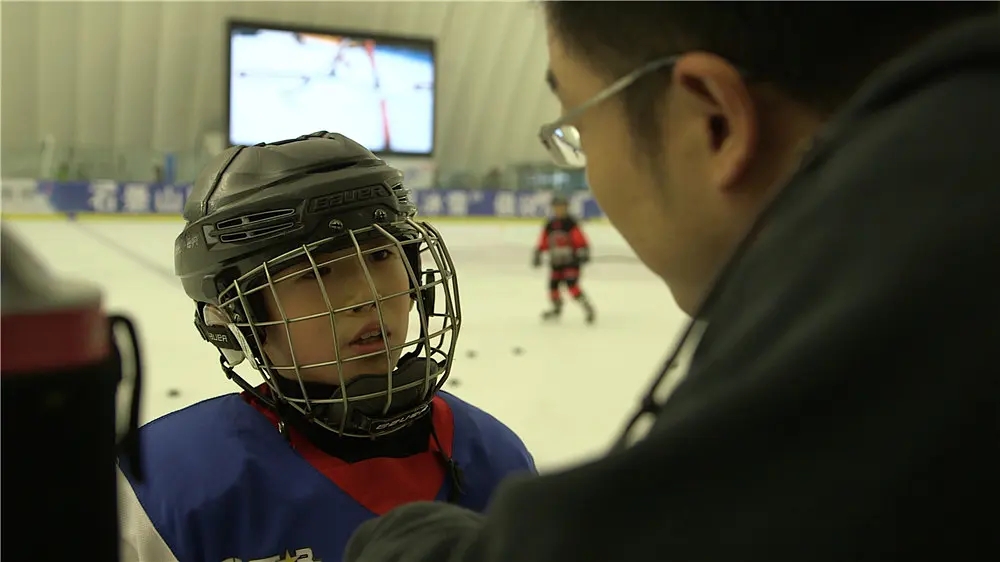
x,y
60,368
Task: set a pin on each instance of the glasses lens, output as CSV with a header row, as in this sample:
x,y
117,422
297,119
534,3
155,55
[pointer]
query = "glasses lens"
x,y
564,147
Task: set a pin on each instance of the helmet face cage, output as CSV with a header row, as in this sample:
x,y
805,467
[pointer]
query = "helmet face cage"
x,y
433,288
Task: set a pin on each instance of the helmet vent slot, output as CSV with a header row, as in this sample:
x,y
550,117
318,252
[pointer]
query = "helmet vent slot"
x,y
247,220
255,225
251,234
401,193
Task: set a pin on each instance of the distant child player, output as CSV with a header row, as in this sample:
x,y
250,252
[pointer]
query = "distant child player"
x,y
568,251
304,261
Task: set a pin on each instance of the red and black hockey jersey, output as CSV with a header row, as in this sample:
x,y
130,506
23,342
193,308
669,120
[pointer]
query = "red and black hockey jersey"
x,y
565,242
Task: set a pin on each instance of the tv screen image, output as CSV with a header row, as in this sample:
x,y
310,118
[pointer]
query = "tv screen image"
x,y
286,83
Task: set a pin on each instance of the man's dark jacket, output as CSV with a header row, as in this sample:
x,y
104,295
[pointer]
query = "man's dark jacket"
x,y
842,403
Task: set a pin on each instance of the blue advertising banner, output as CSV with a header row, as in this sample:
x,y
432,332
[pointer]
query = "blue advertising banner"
x,y
27,196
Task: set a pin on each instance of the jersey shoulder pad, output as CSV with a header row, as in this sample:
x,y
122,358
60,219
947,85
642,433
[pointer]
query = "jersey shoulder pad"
x,y
490,438
195,444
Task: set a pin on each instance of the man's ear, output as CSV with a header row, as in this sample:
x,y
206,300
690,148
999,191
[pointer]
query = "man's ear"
x,y
713,88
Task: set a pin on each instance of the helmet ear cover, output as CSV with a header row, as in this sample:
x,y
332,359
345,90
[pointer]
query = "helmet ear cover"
x,y
219,328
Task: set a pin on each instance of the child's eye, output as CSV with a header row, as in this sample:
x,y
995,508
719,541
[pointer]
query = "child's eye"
x,y
380,255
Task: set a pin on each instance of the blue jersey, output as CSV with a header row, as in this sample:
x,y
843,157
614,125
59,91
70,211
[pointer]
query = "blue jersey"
x,y
221,484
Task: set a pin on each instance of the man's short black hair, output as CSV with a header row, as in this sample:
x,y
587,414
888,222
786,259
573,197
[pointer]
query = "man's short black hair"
x,y
818,53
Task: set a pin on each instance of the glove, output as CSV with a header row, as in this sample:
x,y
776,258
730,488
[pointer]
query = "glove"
x,y
536,262
582,255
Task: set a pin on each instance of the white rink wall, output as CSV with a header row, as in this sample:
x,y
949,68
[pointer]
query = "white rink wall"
x,y
567,393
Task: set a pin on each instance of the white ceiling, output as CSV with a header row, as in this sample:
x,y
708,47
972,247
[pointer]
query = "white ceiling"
x,y
151,75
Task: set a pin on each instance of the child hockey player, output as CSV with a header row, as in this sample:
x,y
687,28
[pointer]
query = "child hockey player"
x,y
568,250
304,261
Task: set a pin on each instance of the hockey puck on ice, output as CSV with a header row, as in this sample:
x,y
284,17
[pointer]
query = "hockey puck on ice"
x,y
454,382
173,393
471,354
518,351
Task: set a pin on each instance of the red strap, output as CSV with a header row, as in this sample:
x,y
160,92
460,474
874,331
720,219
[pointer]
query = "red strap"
x,y
380,484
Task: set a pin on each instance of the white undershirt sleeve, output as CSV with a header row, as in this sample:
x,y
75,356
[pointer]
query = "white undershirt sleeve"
x,y
140,541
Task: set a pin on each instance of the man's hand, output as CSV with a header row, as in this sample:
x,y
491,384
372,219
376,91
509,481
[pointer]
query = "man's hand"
x,y
416,532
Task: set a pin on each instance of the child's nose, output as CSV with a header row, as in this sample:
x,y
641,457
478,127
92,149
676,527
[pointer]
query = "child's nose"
x,y
358,291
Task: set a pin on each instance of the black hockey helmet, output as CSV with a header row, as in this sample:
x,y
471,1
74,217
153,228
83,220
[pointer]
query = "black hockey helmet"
x,y
254,213
559,199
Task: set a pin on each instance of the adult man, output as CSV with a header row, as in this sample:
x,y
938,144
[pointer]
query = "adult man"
x,y
816,183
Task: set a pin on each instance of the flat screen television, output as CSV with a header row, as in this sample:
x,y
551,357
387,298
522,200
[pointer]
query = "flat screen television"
x,y
288,81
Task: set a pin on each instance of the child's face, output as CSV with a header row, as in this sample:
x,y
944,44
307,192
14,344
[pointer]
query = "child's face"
x,y
559,210
313,340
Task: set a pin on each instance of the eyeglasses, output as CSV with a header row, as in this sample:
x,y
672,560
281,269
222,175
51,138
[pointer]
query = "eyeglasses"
x,y
562,140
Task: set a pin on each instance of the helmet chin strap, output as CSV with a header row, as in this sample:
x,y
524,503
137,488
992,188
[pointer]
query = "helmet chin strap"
x,y
364,411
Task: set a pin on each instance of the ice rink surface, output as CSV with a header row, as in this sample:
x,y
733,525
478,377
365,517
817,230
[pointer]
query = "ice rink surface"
x,y
566,388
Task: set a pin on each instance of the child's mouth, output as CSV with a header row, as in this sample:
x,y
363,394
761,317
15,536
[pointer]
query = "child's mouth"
x,y
370,341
